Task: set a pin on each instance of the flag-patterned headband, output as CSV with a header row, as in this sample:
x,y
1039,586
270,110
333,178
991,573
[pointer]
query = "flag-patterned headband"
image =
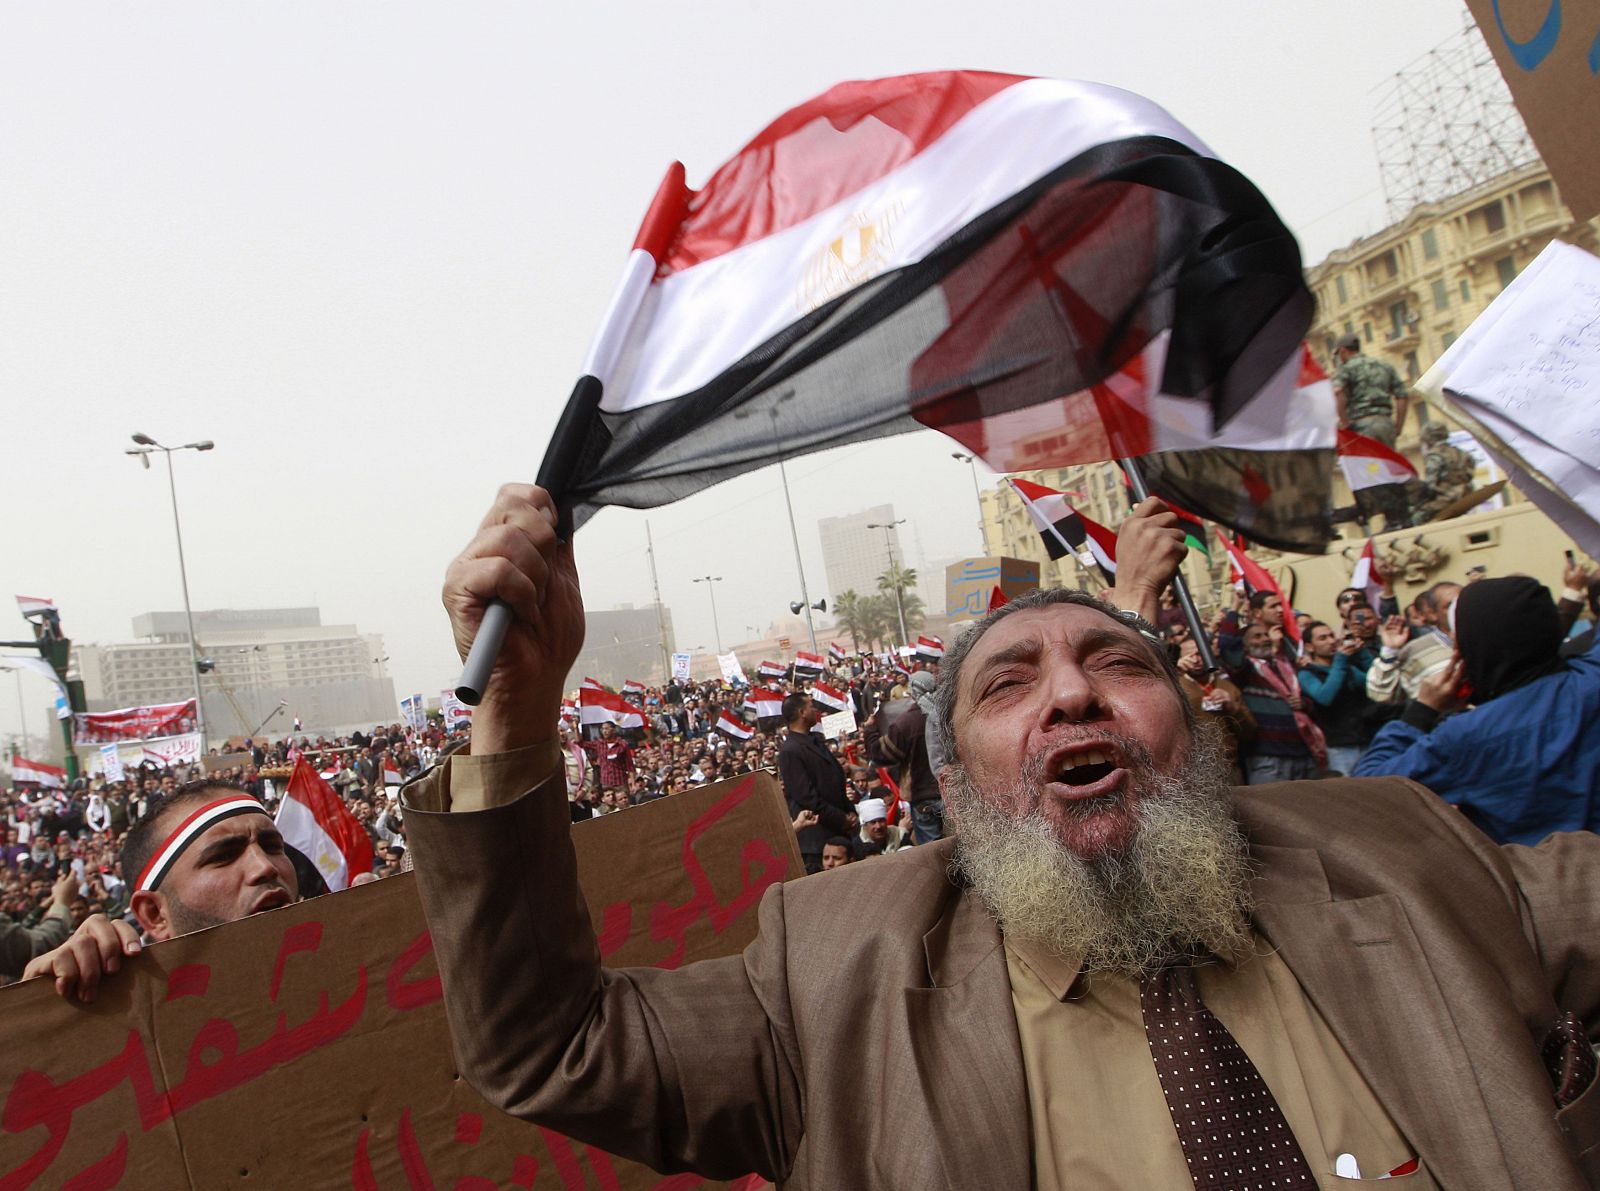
x,y
185,833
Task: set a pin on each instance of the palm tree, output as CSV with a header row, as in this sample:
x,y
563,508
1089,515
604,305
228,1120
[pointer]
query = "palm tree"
x,y
895,582
849,609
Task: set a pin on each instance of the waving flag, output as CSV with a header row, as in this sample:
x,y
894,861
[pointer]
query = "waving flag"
x,y
593,684
1368,576
771,670
830,697
811,662
930,649
605,707
731,725
312,818
31,606
1065,531
989,255
632,689
1256,578
836,653
37,773
765,702
1368,463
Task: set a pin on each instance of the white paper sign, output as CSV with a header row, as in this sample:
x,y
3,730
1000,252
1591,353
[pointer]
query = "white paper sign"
x,y
840,723
454,710
732,672
680,667
110,763
174,750
1525,378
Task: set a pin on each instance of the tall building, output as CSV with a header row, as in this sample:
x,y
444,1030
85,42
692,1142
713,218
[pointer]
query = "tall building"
x,y
1410,290
622,643
332,677
853,555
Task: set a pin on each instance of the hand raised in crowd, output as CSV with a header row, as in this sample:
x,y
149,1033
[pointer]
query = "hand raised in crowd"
x,y
1150,548
95,950
65,889
516,556
1350,644
806,818
1395,632
1441,690
1575,577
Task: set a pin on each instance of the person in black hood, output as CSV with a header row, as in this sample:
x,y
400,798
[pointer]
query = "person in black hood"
x,y
1508,633
1525,760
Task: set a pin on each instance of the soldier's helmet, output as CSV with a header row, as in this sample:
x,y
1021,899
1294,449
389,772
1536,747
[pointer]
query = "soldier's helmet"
x,y
1435,433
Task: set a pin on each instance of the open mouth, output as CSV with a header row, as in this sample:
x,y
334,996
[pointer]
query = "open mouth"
x,y
271,900
1086,768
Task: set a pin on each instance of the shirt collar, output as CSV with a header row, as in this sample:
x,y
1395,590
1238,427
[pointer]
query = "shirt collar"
x,y
1062,973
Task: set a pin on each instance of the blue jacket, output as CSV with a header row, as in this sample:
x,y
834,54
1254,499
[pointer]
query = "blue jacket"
x,y
1520,766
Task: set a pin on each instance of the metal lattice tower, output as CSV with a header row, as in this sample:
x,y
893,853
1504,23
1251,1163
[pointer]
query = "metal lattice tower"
x,y
1445,124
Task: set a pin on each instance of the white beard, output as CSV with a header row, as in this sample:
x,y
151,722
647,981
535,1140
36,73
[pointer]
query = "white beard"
x,y
1183,885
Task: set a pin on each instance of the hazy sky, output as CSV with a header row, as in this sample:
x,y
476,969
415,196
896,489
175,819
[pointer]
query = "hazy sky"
x,y
363,246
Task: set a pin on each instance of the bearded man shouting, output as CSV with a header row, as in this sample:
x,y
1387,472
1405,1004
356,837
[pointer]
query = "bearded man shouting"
x,y
1118,972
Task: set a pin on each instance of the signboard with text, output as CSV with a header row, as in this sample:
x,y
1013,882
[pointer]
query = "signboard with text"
x,y
1549,53
307,1047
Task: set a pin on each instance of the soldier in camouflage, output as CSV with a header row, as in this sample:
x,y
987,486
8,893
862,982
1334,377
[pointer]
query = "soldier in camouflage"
x,y
1448,472
1372,402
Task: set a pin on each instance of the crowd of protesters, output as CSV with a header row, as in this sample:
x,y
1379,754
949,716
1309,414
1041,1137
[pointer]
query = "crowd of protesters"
x,y
1487,691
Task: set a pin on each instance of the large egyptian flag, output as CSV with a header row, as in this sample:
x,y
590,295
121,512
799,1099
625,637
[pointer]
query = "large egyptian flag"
x,y
1038,268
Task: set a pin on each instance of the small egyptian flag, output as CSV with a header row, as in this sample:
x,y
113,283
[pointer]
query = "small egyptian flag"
x,y
829,697
733,726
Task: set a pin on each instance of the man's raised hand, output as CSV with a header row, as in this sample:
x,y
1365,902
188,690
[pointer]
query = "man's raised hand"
x,y
516,557
95,949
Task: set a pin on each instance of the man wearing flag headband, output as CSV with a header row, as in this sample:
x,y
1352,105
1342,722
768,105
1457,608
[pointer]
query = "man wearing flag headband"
x,y
206,854
1355,978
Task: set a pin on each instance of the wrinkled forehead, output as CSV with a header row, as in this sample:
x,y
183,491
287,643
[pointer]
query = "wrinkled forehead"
x,y
1075,629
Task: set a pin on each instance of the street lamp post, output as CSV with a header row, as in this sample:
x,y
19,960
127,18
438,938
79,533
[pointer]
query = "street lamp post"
x,y
983,525
888,541
716,628
147,445
805,594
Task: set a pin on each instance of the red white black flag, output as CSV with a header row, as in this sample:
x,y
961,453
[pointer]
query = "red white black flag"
x,y
1064,530
771,670
836,653
606,707
733,726
830,697
1368,463
811,662
1038,268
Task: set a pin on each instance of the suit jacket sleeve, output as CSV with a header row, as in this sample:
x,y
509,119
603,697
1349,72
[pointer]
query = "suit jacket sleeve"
x,y
1559,880
695,1069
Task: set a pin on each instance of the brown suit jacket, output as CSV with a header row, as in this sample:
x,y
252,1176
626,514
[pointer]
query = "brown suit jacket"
x,y
888,1056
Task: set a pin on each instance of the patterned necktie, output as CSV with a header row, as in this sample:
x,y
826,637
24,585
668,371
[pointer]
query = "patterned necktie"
x,y
1232,1131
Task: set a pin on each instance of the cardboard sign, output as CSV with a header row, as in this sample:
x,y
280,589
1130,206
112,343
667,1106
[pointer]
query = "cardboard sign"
x,y
968,585
307,1047
1549,53
212,763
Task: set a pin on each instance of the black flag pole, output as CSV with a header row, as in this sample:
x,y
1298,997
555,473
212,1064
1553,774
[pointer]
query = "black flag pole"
x,y
1180,587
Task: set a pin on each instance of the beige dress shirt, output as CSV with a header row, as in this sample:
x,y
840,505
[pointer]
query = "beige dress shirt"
x,y
1095,1105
